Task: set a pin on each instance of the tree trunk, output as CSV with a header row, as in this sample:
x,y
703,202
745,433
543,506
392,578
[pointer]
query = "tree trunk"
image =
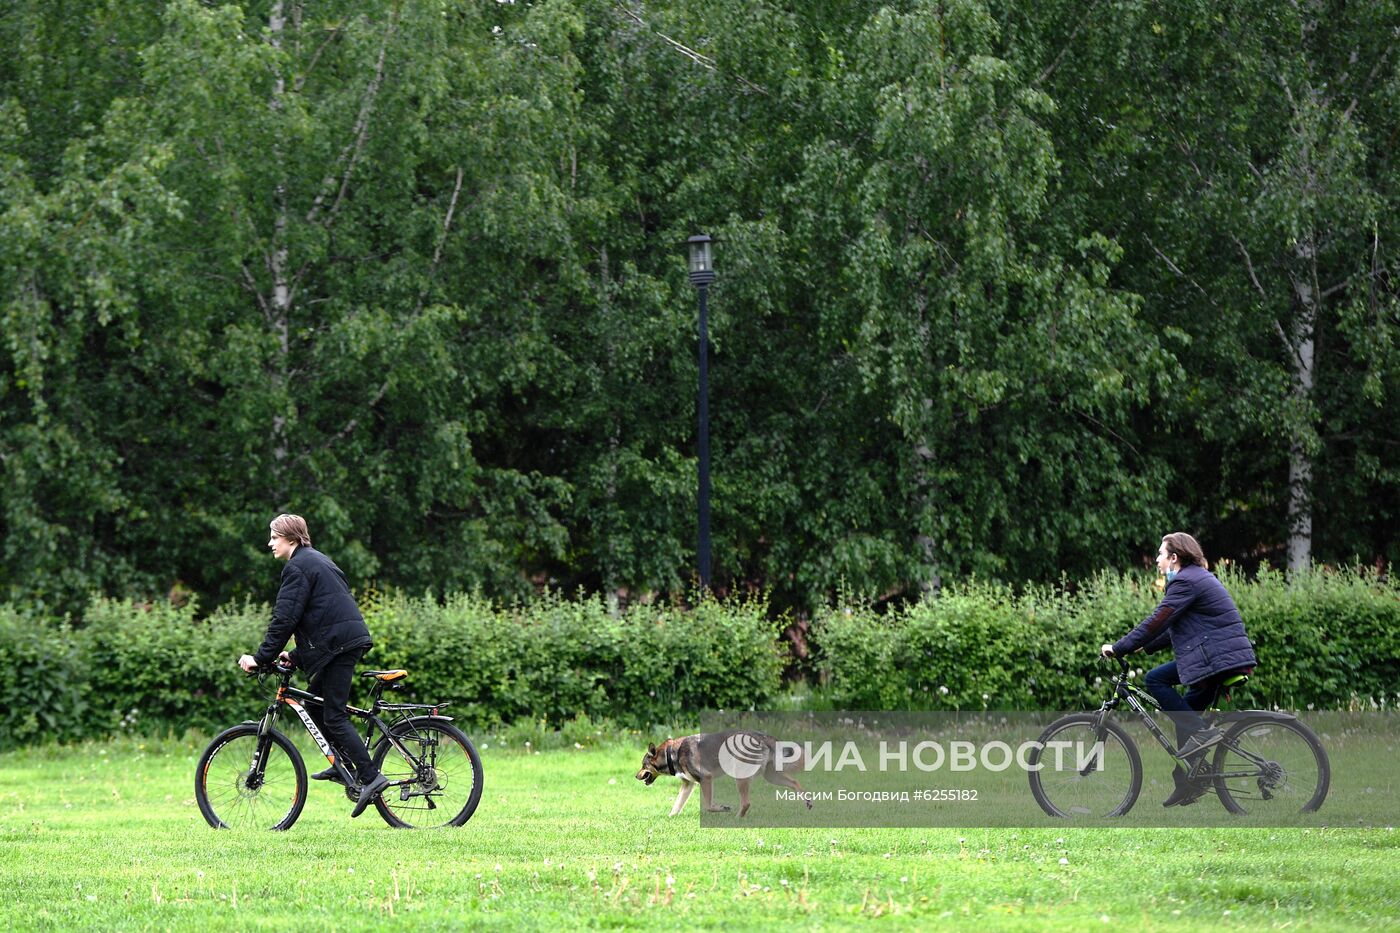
x,y
931,580
1299,455
281,304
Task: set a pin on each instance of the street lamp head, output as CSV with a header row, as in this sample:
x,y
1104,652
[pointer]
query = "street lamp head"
x,y
702,270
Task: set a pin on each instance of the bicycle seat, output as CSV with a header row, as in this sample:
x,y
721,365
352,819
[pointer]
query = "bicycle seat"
x,y
1228,683
384,675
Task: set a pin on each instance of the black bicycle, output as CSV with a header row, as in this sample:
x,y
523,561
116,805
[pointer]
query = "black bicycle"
x,y
253,776
1087,766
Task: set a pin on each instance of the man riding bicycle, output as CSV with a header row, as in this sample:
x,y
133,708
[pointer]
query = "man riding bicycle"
x,y
314,602
1200,621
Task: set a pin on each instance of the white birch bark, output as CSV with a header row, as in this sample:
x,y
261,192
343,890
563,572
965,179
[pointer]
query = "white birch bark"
x,y
280,307
1299,458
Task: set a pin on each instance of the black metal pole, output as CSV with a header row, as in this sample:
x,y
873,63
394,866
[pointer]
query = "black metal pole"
x,y
703,407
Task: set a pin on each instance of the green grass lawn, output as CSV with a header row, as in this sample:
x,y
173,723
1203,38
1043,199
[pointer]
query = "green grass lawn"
x,y
108,836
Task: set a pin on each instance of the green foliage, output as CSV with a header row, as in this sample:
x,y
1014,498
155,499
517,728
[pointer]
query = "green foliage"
x,y
1004,291
1325,639
1329,639
554,659
154,668
1252,196
43,684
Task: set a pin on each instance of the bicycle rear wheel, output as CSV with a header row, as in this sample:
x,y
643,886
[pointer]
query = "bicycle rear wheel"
x,y
1269,765
443,790
232,796
1082,780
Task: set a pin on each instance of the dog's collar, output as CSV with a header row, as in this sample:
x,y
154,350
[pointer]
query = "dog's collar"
x,y
672,761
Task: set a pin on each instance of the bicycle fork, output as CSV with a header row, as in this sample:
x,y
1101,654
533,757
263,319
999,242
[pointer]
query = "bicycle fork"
x,y
1095,762
258,765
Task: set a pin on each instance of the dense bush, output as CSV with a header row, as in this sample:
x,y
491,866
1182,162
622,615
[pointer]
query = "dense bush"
x,y
161,667
555,658
1324,639
1328,639
141,667
43,688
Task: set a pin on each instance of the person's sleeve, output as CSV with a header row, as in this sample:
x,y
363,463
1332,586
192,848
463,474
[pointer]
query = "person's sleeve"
x,y
1153,630
291,603
1162,641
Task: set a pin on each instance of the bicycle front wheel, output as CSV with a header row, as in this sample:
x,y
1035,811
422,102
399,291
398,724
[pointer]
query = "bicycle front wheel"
x,y
1084,769
442,784
244,781
1270,765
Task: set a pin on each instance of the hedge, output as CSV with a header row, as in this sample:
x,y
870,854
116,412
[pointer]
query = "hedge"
x,y
142,667
1325,639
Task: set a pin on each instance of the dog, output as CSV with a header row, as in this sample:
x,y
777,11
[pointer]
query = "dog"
x,y
699,759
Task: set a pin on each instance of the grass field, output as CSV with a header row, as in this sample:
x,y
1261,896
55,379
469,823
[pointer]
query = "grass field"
x,y
108,836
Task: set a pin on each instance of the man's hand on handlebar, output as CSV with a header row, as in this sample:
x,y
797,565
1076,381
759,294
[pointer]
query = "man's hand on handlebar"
x,y
1106,651
250,665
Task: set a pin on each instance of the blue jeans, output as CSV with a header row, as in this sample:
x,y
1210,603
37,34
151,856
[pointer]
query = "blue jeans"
x,y
1161,683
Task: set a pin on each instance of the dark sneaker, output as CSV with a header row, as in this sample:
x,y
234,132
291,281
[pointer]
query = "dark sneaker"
x,y
1199,741
1179,779
367,794
330,774
1186,792
1197,792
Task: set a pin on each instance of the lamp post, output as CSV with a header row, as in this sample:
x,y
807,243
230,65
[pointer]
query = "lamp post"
x,y
702,273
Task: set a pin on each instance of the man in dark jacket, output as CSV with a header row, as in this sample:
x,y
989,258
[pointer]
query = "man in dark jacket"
x,y
314,603
1199,620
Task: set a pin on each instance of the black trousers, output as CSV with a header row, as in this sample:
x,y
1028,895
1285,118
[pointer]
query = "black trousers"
x,y
332,683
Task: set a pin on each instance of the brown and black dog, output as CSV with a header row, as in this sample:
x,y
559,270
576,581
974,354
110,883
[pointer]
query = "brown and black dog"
x,y
699,759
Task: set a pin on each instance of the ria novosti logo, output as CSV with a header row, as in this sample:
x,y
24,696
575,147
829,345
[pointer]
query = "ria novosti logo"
x,y
745,754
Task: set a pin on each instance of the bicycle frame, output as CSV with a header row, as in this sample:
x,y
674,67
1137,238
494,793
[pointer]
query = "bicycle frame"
x,y
1139,701
294,698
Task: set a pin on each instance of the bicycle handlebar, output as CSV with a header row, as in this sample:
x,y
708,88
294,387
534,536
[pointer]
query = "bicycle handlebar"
x,y
274,668
1122,662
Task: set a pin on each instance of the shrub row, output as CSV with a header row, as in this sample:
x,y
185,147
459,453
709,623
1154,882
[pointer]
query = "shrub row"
x,y
1328,639
145,668
1325,639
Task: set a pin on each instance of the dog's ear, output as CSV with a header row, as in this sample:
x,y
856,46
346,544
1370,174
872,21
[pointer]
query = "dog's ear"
x,y
651,749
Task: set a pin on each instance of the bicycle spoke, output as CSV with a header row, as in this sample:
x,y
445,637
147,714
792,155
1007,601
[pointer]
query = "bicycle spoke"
x,y
237,799
1101,785
438,777
1273,767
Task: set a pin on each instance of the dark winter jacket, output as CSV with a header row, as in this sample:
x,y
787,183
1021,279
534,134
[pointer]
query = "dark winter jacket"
x,y
313,603
1200,620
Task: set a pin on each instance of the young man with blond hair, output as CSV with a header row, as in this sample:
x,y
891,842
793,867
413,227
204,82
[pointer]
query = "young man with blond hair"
x,y
315,605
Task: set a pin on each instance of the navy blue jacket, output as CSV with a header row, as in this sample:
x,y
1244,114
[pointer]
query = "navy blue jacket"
x,y
313,603
1200,620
